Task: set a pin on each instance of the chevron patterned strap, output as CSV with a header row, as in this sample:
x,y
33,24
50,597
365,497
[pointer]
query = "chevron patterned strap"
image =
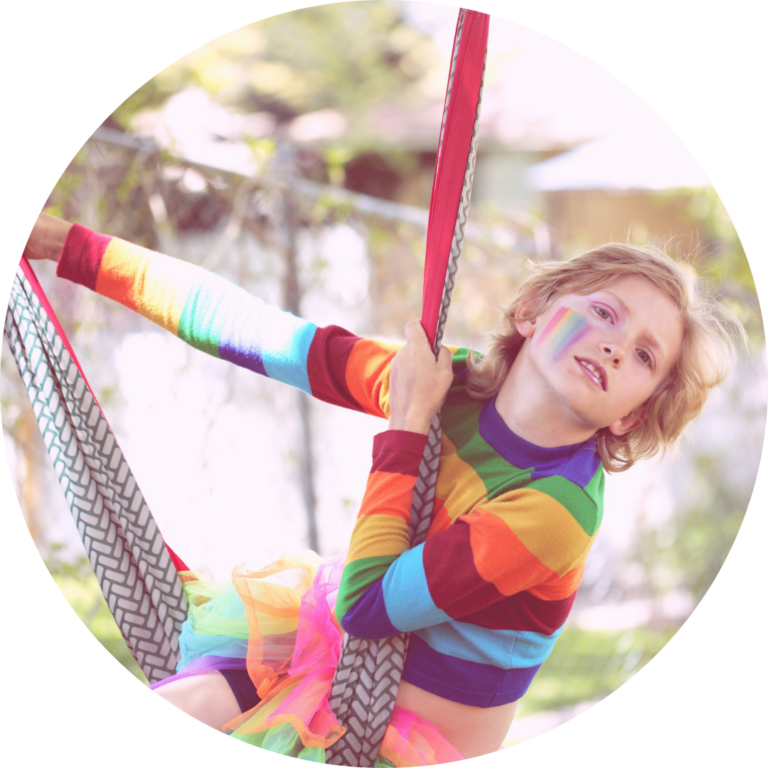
x,y
123,544
369,671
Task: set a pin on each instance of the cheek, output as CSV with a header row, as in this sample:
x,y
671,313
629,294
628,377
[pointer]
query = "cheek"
x,y
566,327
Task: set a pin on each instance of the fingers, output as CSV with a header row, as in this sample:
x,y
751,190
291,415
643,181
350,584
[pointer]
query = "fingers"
x,y
416,338
444,358
414,333
418,383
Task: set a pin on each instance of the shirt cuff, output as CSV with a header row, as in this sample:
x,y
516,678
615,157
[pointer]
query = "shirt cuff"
x,y
81,256
398,451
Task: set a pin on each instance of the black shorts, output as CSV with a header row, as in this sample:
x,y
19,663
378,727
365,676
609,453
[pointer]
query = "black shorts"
x,y
242,686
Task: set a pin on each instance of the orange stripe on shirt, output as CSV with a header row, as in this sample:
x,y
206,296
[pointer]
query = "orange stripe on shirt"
x,y
459,497
545,528
153,285
120,278
500,557
560,588
441,520
389,494
367,375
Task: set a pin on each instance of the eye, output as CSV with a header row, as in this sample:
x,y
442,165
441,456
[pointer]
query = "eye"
x,y
602,313
645,358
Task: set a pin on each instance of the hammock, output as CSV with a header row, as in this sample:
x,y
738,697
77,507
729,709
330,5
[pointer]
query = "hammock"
x,y
137,571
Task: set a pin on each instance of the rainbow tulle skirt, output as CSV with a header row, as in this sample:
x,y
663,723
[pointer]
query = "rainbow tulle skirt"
x,y
279,624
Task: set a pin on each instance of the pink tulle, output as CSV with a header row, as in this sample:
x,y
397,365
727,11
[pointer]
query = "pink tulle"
x,y
294,643
410,740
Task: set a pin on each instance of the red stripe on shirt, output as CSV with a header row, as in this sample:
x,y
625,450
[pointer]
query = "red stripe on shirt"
x,y
398,452
525,613
81,256
454,583
327,366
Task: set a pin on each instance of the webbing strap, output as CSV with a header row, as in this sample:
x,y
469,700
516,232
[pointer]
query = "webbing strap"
x,y
369,671
136,571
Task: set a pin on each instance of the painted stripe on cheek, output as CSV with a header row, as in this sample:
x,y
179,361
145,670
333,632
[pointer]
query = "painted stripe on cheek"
x,y
563,330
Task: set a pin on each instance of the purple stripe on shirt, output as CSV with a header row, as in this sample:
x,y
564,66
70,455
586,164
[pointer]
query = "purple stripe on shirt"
x,y
467,682
580,468
577,463
241,335
246,357
368,617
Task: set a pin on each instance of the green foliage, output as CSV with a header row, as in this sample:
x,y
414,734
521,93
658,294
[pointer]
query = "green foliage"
x,y
345,56
720,256
727,260
68,187
687,551
335,160
262,149
588,665
122,178
705,542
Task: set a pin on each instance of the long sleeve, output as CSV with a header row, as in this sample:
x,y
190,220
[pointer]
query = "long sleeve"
x,y
225,321
519,555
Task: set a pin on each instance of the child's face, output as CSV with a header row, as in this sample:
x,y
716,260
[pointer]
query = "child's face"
x,y
603,354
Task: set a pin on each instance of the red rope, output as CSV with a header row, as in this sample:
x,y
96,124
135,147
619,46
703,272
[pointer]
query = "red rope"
x,y
456,138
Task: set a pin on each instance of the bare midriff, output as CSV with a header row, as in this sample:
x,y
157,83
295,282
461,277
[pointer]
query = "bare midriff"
x,y
473,731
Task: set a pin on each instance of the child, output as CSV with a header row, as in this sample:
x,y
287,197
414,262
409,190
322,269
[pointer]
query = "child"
x,y
602,360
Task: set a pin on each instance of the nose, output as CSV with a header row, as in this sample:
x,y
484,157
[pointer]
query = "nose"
x,y
614,352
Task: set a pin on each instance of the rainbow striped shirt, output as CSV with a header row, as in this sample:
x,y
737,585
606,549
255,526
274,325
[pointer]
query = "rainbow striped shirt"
x,y
487,594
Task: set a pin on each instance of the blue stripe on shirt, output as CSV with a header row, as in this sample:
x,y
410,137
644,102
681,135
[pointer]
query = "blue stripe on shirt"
x,y
286,357
503,648
406,594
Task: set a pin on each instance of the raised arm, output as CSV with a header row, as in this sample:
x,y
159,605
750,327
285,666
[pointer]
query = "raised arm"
x,y
219,318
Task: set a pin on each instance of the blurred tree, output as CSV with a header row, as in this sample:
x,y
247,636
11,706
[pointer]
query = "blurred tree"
x,y
720,256
345,56
685,552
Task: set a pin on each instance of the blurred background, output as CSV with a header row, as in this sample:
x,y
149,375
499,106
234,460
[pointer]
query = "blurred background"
x,y
295,158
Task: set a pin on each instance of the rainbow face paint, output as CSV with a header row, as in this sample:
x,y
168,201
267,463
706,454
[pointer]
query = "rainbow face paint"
x,y
563,330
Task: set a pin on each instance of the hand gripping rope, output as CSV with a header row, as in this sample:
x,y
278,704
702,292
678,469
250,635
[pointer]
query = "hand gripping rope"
x,y
369,671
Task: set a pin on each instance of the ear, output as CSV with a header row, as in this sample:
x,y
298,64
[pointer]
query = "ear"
x,y
627,423
525,328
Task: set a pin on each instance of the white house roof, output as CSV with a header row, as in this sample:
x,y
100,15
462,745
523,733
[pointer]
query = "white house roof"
x,y
627,158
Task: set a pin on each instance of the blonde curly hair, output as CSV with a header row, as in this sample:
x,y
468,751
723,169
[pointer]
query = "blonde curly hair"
x,y
706,356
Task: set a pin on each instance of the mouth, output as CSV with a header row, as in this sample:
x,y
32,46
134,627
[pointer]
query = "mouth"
x,y
594,372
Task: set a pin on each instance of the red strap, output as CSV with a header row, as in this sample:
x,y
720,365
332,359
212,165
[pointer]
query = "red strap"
x,y
29,273
451,164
